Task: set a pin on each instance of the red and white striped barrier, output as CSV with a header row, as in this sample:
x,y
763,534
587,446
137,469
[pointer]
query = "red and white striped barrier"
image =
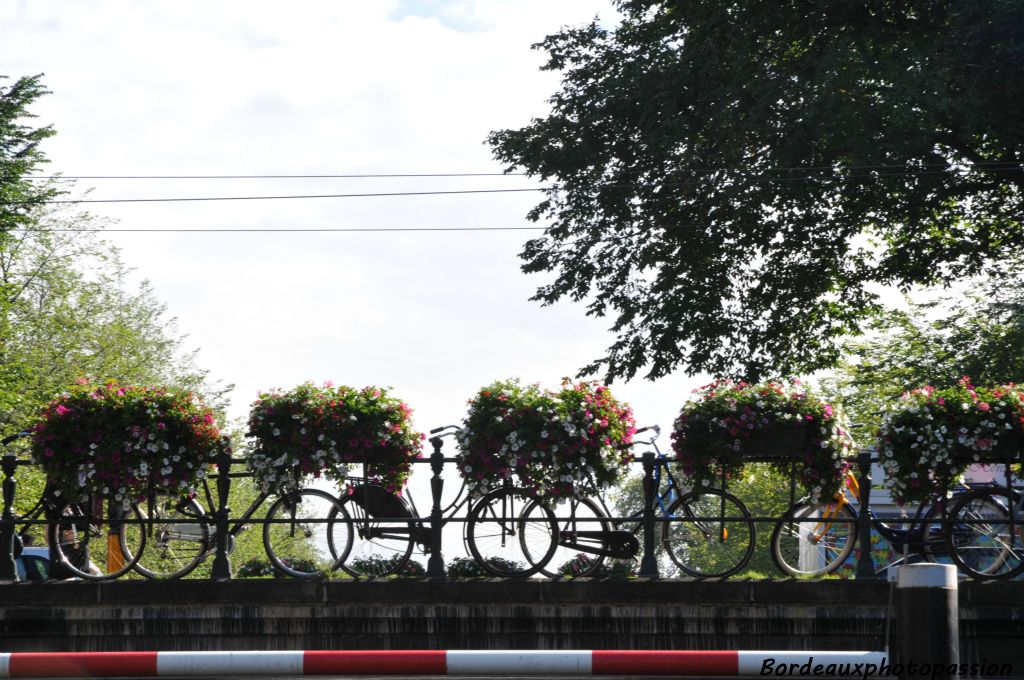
x,y
452,662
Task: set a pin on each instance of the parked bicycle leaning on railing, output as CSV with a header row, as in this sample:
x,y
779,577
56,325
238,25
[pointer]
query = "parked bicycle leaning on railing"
x,y
706,533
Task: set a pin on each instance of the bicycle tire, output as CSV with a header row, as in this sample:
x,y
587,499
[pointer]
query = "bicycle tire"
x,y
576,514
698,547
805,548
495,535
174,547
381,538
302,535
82,547
986,551
934,546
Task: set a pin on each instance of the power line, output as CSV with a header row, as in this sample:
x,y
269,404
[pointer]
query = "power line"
x,y
349,176
290,230
804,178
270,198
946,167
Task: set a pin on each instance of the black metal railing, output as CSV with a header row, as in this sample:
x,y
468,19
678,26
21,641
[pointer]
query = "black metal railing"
x,y
650,521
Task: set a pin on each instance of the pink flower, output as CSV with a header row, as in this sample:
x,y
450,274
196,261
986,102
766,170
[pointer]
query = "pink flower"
x,y
62,409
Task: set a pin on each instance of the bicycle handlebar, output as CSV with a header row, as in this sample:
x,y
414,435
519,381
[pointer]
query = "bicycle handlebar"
x,y
454,428
14,437
656,428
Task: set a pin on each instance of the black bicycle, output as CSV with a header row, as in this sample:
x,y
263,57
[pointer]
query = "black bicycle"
x,y
299,539
384,527
990,539
705,533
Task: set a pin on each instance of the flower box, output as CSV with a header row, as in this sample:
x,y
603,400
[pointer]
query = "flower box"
x,y
314,431
118,441
728,424
935,434
558,444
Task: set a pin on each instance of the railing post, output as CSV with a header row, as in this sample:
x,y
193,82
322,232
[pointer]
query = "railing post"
x,y
649,563
435,565
8,570
927,621
221,563
866,563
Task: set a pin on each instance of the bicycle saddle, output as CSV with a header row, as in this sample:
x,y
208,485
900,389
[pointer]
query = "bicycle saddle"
x,y
379,502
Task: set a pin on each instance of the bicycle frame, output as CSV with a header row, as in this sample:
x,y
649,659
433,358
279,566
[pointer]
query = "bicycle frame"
x,y
912,540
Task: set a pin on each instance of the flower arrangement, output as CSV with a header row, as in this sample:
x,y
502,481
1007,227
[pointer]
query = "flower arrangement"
x,y
556,443
314,430
727,422
118,441
934,434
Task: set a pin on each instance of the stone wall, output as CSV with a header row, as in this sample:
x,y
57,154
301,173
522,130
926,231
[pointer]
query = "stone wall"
x,y
486,614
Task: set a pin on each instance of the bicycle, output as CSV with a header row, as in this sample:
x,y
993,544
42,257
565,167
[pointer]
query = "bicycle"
x,y
990,543
297,536
91,539
384,527
813,539
706,533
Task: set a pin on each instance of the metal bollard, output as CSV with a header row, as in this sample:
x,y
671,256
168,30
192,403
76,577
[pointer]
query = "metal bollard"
x,y
649,564
221,570
927,626
865,564
435,565
8,569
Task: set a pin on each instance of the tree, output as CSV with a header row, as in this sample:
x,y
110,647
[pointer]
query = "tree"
x,y
19,196
978,333
732,181
66,310
70,314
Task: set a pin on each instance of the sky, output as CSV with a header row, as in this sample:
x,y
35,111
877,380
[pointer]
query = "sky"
x,y
322,88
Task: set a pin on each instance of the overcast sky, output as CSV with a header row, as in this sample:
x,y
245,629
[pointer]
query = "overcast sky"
x,y
255,88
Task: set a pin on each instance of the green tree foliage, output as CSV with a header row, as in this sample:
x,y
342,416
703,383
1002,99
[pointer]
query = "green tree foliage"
x,y
731,181
19,156
977,333
70,313
66,306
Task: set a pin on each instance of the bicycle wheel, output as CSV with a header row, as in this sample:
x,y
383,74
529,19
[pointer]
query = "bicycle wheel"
x,y
381,535
703,546
177,537
302,534
980,539
504,540
90,540
581,531
813,547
